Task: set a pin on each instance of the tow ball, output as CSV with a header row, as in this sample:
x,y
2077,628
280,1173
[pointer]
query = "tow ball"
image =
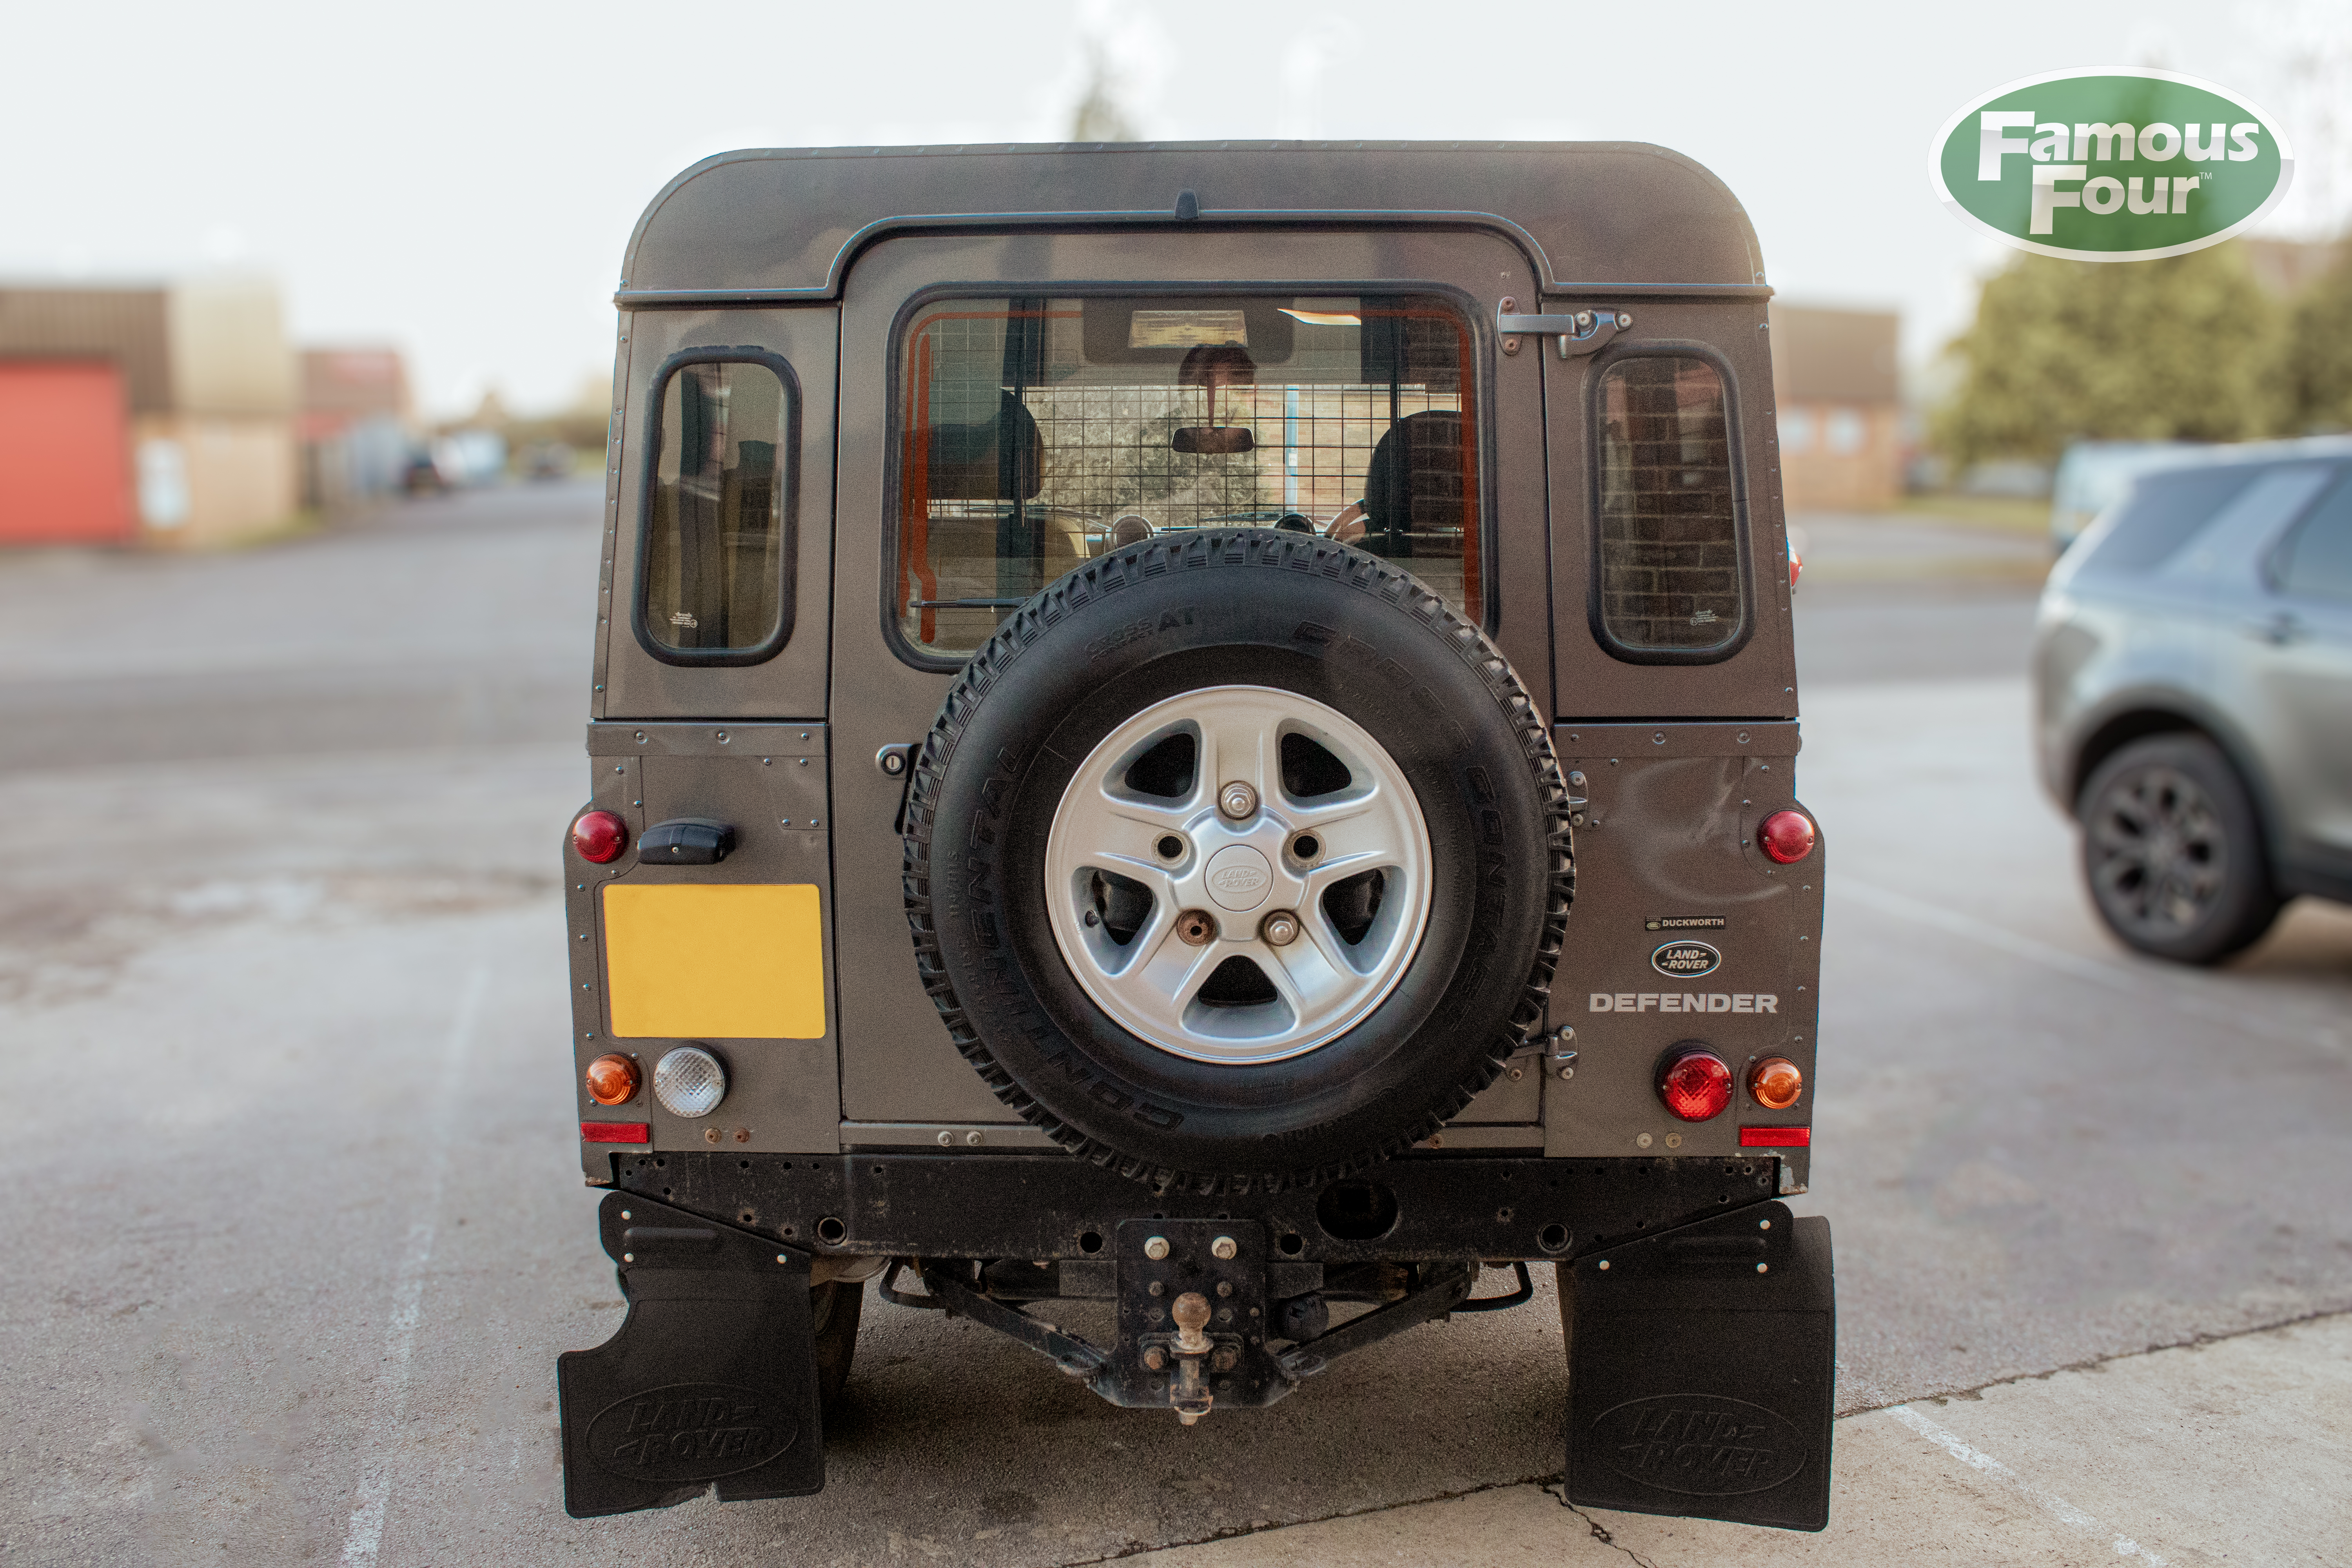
x,y
1193,1306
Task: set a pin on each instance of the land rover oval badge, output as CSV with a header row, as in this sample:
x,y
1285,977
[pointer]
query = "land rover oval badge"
x,y
1686,960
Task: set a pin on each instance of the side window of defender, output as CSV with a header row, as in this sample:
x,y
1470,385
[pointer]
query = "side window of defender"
x,y
1034,434
1669,583
715,564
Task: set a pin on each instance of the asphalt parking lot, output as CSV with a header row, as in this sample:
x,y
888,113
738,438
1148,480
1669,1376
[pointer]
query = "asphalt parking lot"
x,y
301,1229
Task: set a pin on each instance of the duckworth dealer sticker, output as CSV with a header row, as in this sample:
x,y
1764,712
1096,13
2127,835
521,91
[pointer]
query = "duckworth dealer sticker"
x,y
2110,166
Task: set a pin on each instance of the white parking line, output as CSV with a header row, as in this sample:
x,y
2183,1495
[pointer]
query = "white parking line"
x,y
364,1536
2147,984
2051,1502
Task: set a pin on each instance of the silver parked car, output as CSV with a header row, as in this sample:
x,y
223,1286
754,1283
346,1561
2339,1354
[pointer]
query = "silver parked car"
x,y
2193,696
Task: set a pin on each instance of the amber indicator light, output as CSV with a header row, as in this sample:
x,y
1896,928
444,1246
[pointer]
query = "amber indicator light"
x,y
613,1080
615,1132
1695,1085
1775,1083
1786,837
599,835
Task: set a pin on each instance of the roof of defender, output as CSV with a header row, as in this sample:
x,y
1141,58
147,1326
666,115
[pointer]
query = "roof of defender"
x,y
784,224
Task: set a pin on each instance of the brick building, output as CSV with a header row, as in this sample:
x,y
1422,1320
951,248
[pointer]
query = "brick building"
x,y
161,412
1841,418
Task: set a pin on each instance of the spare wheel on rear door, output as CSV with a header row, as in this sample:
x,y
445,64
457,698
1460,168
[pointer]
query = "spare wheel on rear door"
x,y
1237,858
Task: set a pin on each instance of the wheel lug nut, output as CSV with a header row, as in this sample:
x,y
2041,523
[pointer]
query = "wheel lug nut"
x,y
1280,928
1196,927
1238,800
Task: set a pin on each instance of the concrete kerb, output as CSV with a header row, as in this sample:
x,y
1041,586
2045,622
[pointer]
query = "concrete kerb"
x,y
2110,1459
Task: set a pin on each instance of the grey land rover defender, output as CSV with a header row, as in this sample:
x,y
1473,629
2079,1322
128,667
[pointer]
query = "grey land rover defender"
x,y
1112,664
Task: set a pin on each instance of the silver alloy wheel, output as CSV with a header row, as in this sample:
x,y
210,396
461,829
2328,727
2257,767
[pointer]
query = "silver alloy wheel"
x,y
2158,850
1113,843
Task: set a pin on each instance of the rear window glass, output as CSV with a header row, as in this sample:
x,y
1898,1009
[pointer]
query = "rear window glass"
x,y
2162,512
1037,434
2315,560
1669,583
717,554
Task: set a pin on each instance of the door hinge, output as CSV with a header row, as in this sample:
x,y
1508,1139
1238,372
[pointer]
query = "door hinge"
x,y
1581,334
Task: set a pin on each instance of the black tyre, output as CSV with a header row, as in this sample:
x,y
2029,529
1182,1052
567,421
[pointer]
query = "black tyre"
x,y
2173,852
834,1311
1398,991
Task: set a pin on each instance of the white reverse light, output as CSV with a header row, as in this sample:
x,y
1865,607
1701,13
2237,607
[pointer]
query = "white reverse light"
x,y
689,1082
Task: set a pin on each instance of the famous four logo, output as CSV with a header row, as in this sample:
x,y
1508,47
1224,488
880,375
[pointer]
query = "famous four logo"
x,y
688,1432
2110,166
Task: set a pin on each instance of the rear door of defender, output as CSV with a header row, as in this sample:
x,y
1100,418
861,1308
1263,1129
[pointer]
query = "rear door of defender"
x,y
1010,403
709,929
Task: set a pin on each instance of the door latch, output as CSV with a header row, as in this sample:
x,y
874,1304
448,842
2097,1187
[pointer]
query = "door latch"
x,y
1579,334
898,762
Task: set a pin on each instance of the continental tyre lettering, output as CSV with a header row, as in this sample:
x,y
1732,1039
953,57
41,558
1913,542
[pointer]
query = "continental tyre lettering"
x,y
1685,1002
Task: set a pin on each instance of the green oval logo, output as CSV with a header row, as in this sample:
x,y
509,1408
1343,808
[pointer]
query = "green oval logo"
x,y
2110,166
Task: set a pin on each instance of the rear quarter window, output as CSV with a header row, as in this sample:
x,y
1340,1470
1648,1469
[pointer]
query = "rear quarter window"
x,y
714,578
2162,512
1668,581
2314,561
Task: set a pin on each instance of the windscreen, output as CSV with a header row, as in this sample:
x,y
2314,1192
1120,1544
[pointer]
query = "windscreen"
x,y
1037,434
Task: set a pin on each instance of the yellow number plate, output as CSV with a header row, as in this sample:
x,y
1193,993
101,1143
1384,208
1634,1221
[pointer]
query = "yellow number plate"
x,y
725,961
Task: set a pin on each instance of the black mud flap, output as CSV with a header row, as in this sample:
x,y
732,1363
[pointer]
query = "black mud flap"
x,y
712,1378
1702,1368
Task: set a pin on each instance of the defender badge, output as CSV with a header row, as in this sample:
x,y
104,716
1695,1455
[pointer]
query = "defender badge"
x,y
1686,960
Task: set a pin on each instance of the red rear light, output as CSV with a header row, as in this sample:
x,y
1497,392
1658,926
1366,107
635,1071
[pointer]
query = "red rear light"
x,y
1786,837
599,835
1796,564
1776,1137
1695,1085
615,1132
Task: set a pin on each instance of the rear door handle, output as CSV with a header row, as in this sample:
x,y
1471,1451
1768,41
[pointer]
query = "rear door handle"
x,y
686,841
2280,629
898,762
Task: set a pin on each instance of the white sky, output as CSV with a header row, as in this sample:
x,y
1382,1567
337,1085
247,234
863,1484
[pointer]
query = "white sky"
x,y
459,179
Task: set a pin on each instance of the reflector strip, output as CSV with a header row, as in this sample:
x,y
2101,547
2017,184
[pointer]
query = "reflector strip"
x,y
1776,1137
615,1133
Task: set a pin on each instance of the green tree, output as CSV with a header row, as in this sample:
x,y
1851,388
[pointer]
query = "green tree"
x,y
2317,364
1100,116
2180,349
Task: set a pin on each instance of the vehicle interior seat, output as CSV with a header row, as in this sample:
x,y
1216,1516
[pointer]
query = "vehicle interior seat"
x,y
1414,486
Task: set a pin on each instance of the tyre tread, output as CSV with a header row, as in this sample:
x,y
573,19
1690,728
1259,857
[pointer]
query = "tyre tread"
x,y
1248,549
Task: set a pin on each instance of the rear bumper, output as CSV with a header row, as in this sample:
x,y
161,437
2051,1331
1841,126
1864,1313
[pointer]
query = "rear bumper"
x,y
1423,1207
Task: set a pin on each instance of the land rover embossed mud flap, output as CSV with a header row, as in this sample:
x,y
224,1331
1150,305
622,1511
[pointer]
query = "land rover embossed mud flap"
x,y
1702,1369
712,1379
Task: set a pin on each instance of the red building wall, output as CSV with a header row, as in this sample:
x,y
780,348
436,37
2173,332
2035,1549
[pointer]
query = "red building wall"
x,y
65,453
